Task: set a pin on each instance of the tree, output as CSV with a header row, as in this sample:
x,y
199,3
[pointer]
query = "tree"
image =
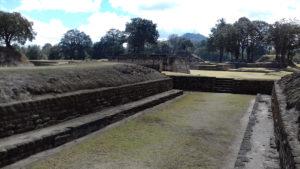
x,y
46,50
243,26
140,31
231,37
257,44
217,39
34,52
284,35
110,45
180,45
75,44
164,48
15,28
55,53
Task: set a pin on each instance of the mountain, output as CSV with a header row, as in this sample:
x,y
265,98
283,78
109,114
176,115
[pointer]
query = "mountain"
x,y
194,37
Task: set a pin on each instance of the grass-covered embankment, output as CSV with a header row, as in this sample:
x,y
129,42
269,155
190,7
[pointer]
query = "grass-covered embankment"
x,y
26,83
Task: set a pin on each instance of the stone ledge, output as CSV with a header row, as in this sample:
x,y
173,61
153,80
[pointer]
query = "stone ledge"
x,y
286,129
223,85
20,146
20,117
246,142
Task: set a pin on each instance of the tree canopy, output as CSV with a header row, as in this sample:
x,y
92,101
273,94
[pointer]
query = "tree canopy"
x,y
242,37
140,31
15,28
284,35
180,45
75,44
34,52
110,45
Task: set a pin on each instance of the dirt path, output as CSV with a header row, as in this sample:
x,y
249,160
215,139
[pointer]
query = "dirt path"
x,y
194,131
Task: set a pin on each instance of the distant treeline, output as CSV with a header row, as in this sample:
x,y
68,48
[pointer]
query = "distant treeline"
x,y
244,40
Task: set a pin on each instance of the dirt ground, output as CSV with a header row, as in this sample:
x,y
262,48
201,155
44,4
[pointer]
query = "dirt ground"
x,y
194,131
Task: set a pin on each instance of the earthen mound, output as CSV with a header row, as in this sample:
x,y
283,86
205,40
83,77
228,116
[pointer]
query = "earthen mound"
x,y
11,57
18,84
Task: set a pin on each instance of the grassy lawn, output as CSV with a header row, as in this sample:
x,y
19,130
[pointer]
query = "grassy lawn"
x,y
234,74
190,132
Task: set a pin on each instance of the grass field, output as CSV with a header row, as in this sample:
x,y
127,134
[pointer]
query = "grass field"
x,y
234,74
190,132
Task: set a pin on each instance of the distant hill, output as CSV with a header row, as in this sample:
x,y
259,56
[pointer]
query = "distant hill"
x,y
194,37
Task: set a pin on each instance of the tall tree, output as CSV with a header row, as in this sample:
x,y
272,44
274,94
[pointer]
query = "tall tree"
x,y
243,26
217,38
75,44
46,49
231,36
140,31
110,45
55,53
34,52
180,45
285,37
257,44
15,28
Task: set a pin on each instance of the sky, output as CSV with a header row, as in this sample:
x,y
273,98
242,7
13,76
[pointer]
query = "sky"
x,y
52,18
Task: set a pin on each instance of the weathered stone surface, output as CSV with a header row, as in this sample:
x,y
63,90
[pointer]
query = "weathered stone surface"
x,y
286,129
20,146
211,84
19,117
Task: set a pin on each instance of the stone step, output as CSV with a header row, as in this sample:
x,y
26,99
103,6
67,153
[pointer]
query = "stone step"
x,y
228,83
223,85
23,145
223,90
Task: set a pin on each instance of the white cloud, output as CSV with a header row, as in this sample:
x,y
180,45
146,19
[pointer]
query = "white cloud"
x,y
99,23
50,32
64,5
201,15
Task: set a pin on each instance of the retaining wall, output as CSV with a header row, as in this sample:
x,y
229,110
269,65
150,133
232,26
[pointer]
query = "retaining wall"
x,y
159,63
286,126
24,116
212,84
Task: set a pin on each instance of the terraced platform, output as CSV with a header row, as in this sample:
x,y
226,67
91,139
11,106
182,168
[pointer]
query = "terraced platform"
x,y
187,132
20,146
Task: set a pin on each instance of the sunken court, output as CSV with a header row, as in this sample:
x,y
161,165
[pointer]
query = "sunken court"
x,y
141,97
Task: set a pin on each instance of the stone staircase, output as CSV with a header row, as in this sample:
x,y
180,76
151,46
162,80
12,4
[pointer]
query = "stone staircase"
x,y
22,145
224,85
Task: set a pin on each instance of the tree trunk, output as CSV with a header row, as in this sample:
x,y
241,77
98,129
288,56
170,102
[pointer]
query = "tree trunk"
x,y
248,54
7,43
242,56
221,55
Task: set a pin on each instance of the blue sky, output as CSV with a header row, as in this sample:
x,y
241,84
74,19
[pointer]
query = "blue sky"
x,y
52,18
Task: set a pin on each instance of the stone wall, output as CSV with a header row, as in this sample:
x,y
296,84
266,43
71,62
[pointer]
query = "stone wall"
x,y
212,84
253,86
286,130
159,63
24,116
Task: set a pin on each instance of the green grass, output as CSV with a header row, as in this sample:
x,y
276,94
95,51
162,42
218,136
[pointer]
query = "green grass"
x,y
274,75
192,132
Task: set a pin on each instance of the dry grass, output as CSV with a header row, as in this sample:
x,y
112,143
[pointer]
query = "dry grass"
x,y
19,84
234,74
190,132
